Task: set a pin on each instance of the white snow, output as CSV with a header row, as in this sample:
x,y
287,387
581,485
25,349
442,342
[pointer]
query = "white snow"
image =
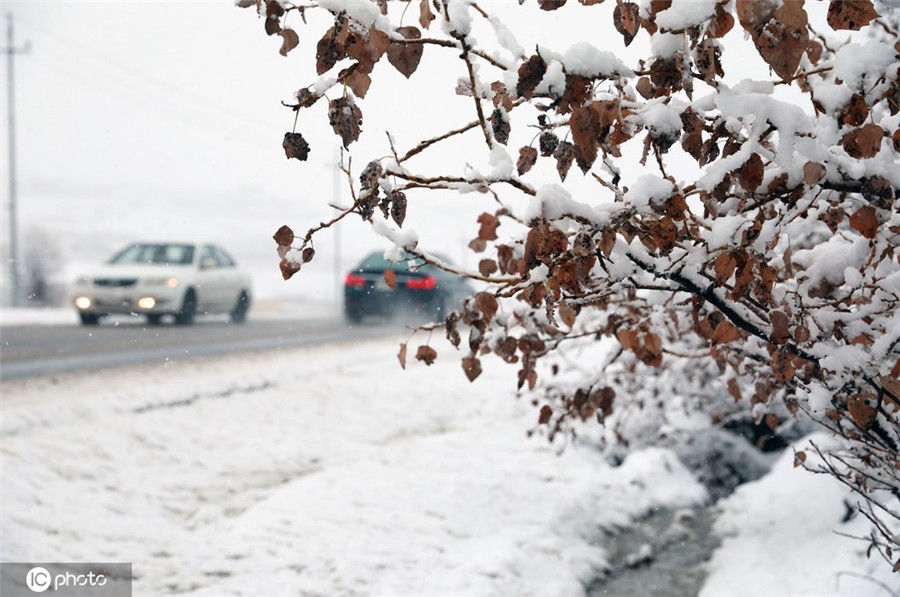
x,y
685,13
586,60
321,471
853,63
647,189
781,538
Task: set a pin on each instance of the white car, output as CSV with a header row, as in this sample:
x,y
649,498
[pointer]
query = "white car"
x,y
157,279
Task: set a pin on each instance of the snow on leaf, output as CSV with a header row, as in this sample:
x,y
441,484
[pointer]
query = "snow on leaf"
x,y
288,268
851,14
405,57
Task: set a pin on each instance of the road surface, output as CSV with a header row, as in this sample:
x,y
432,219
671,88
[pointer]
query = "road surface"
x,y
28,350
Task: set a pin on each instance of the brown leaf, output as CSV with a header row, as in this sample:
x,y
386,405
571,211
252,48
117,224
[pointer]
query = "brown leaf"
x,y
865,221
401,356
548,142
864,142
487,267
488,229
425,14
405,57
856,111
862,413
851,14
545,414
527,159
295,146
390,276
721,23
813,172
783,369
751,173
781,329
289,41
288,268
472,367
274,12
734,389
725,332
799,458
331,48
500,125
724,265
530,74
345,118
567,313
398,206
307,254
565,155
426,354
771,421
585,126
486,304
369,49
284,236
784,38
356,80
550,4
754,14
627,20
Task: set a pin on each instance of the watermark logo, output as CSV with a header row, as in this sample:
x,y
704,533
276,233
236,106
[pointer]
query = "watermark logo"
x,y
82,579
38,579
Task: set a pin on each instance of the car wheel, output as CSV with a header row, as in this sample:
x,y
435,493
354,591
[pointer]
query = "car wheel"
x,y
188,308
239,313
154,318
89,318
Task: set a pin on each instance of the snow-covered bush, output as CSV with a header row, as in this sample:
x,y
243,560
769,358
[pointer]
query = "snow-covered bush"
x,y
723,246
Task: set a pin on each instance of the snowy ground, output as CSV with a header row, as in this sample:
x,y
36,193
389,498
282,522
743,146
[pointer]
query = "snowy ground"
x,y
328,471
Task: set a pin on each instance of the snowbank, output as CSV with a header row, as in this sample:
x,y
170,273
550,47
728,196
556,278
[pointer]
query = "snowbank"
x,y
313,471
781,537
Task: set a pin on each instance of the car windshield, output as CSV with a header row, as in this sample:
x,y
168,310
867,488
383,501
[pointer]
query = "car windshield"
x,y
158,254
376,261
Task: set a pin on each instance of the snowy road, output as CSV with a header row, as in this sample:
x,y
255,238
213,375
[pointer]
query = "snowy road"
x,y
27,350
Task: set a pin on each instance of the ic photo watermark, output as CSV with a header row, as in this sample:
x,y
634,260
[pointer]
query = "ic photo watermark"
x,y
100,579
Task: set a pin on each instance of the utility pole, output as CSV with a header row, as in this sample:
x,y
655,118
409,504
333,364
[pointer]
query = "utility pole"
x,y
11,50
336,193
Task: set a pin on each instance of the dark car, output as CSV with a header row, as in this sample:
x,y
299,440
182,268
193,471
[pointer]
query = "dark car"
x,y
423,291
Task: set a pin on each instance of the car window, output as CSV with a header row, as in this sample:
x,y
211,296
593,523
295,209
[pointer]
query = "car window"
x,y
225,259
208,256
157,254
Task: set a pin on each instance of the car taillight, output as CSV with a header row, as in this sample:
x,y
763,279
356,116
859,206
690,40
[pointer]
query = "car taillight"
x,y
426,283
354,280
